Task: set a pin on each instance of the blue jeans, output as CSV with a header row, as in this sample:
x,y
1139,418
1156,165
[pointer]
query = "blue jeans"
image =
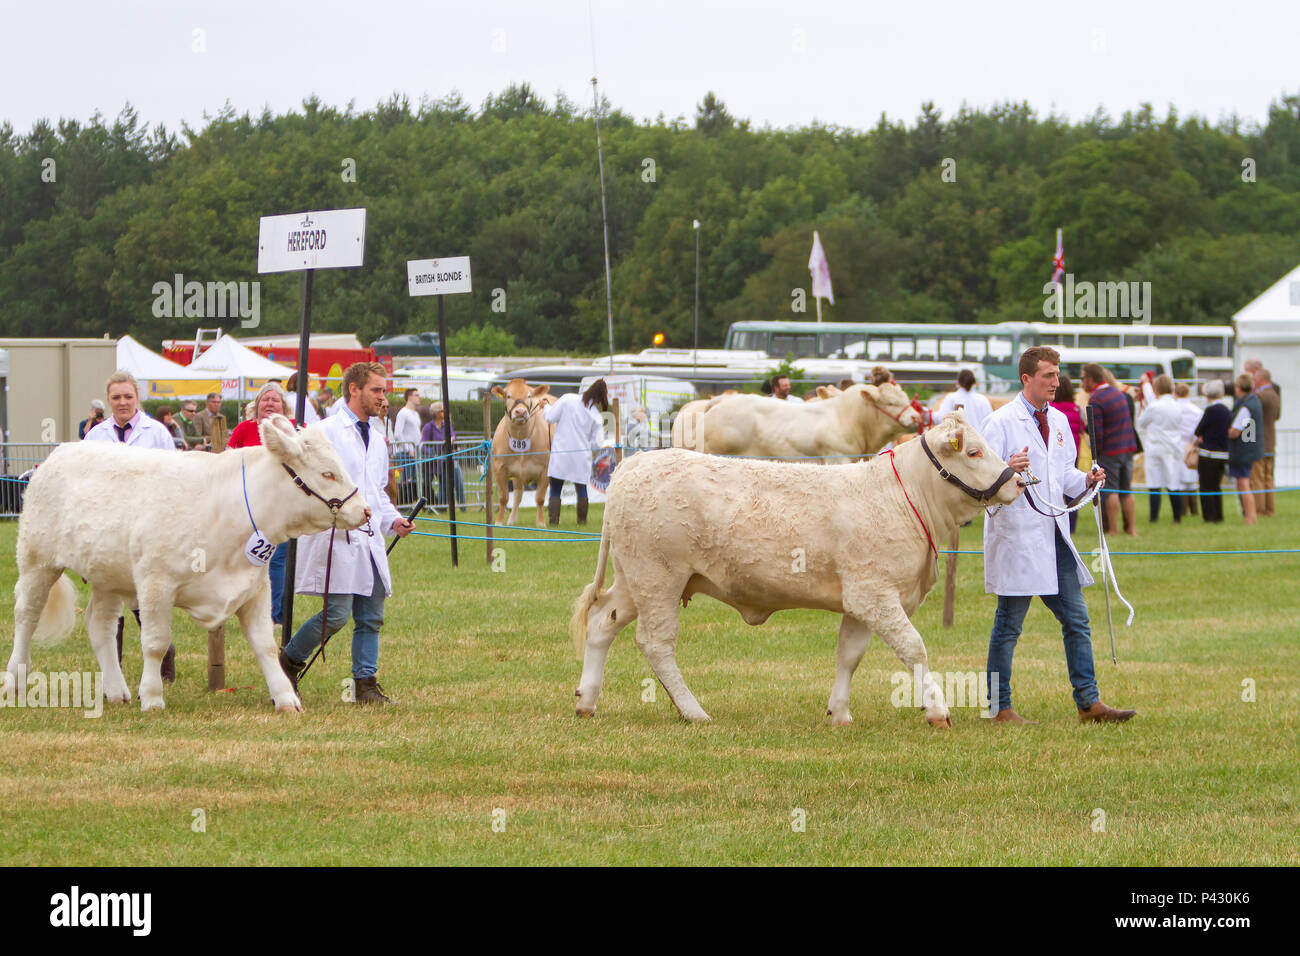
x,y
557,489
368,614
277,580
1070,609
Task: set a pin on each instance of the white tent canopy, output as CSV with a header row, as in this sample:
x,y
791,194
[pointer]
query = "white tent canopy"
x,y
1268,328
233,360
147,365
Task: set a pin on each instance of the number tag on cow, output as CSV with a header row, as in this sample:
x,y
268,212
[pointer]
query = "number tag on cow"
x,y
520,444
258,550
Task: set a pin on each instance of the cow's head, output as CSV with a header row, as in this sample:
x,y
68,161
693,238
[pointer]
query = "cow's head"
x,y
890,399
965,455
521,401
323,478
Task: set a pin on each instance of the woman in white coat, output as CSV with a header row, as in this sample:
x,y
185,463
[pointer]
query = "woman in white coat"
x,y
1161,425
578,431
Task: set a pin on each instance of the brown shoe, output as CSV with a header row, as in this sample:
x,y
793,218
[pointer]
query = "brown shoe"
x,y
366,690
1009,716
1100,711
291,670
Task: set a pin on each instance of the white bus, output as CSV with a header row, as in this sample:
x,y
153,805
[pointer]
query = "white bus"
x,y
1211,345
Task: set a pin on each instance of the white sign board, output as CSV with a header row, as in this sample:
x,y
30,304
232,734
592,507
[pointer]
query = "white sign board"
x,y
438,276
330,239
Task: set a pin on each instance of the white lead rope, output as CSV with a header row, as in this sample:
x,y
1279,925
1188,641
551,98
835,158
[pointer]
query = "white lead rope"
x,y
1110,568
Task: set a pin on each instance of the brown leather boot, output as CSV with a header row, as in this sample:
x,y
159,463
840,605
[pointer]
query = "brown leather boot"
x,y
582,511
291,670
1009,716
553,511
1101,712
366,690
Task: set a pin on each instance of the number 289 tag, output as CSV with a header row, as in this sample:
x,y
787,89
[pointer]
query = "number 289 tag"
x,y
258,550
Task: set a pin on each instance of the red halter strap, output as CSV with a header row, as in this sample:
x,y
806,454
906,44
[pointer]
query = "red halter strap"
x,y
890,453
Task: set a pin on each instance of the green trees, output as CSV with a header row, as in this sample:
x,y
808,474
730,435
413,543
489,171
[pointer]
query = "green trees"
x,y
943,219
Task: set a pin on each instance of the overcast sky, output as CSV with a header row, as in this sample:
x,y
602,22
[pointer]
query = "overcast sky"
x,y
784,63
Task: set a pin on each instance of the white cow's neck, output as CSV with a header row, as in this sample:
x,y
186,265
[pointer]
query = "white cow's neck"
x,y
944,506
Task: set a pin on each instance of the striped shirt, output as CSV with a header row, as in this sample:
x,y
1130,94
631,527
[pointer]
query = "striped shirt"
x,y
1113,423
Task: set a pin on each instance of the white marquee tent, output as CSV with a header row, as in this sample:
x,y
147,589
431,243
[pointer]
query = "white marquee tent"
x,y
160,377
1268,329
242,371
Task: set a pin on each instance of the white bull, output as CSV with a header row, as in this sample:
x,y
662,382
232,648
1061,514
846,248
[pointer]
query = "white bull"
x,y
858,421
93,508
678,523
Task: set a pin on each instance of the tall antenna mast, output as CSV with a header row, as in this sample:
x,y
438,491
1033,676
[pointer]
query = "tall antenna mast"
x,y
604,217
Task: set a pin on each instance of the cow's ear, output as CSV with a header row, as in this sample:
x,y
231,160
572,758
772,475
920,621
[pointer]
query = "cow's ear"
x,y
279,438
871,393
957,438
539,390
822,392
498,391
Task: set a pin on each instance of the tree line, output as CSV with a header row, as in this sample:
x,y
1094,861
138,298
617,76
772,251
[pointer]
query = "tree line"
x,y
945,219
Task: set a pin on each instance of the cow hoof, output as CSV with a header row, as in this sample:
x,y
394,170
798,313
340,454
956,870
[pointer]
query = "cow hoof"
x,y
700,718
943,722
152,704
289,707
842,721
586,711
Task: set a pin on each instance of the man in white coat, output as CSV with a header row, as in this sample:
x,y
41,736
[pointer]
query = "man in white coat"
x,y
129,425
359,577
975,405
1027,553
1160,423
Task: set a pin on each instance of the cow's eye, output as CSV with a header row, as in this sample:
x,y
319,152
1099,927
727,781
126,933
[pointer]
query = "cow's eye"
x,y
973,454
327,475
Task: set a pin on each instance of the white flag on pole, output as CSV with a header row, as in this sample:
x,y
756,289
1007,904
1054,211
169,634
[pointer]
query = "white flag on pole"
x,y
821,272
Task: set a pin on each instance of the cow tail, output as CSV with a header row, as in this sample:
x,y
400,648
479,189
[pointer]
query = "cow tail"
x,y
589,596
59,616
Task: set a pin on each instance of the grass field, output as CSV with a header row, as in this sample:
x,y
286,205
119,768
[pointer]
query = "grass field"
x,y
484,731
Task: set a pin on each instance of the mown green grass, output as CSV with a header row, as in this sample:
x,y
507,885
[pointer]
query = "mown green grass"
x,y
483,673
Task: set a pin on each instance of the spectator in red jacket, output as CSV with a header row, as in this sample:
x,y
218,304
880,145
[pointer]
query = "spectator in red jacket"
x,y
1064,402
269,400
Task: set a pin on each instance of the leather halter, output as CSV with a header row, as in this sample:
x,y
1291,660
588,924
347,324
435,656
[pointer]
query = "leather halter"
x,y
334,504
983,497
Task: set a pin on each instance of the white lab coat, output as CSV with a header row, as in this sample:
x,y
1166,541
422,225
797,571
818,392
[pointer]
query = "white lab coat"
x,y
1019,543
368,469
1161,426
578,430
145,432
975,406
1191,418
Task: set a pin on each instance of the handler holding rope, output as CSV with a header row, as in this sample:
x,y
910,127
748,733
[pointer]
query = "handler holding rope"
x,y
1027,546
358,581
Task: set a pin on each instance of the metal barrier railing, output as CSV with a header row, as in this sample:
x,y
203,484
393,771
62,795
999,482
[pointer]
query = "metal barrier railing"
x,y
18,458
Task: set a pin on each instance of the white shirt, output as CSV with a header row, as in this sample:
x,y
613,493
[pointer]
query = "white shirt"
x,y
144,432
975,406
578,430
1239,423
407,428
308,414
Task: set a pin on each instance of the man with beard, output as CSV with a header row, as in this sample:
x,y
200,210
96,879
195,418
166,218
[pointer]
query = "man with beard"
x,y
359,578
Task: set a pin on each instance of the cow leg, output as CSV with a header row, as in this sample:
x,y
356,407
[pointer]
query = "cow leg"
x,y
516,497
609,615
503,495
155,638
854,638
30,595
255,619
101,619
542,485
656,635
897,631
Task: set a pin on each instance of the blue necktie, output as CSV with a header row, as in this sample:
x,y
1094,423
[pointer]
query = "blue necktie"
x,y
364,427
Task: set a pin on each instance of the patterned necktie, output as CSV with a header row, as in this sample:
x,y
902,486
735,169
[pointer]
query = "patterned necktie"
x,y
122,430
364,427
1041,418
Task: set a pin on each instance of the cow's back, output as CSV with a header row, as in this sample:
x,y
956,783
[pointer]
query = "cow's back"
x,y
90,504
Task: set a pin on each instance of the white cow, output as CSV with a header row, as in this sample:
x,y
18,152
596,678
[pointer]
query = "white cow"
x,y
856,422
678,523
93,509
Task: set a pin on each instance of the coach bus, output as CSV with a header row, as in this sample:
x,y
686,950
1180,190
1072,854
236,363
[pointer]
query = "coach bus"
x,y
1211,345
996,347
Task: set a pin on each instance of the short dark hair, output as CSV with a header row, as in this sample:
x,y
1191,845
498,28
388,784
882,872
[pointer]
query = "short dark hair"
x,y
1245,382
1030,358
966,379
211,396
1093,373
766,387
163,411
406,395
777,377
